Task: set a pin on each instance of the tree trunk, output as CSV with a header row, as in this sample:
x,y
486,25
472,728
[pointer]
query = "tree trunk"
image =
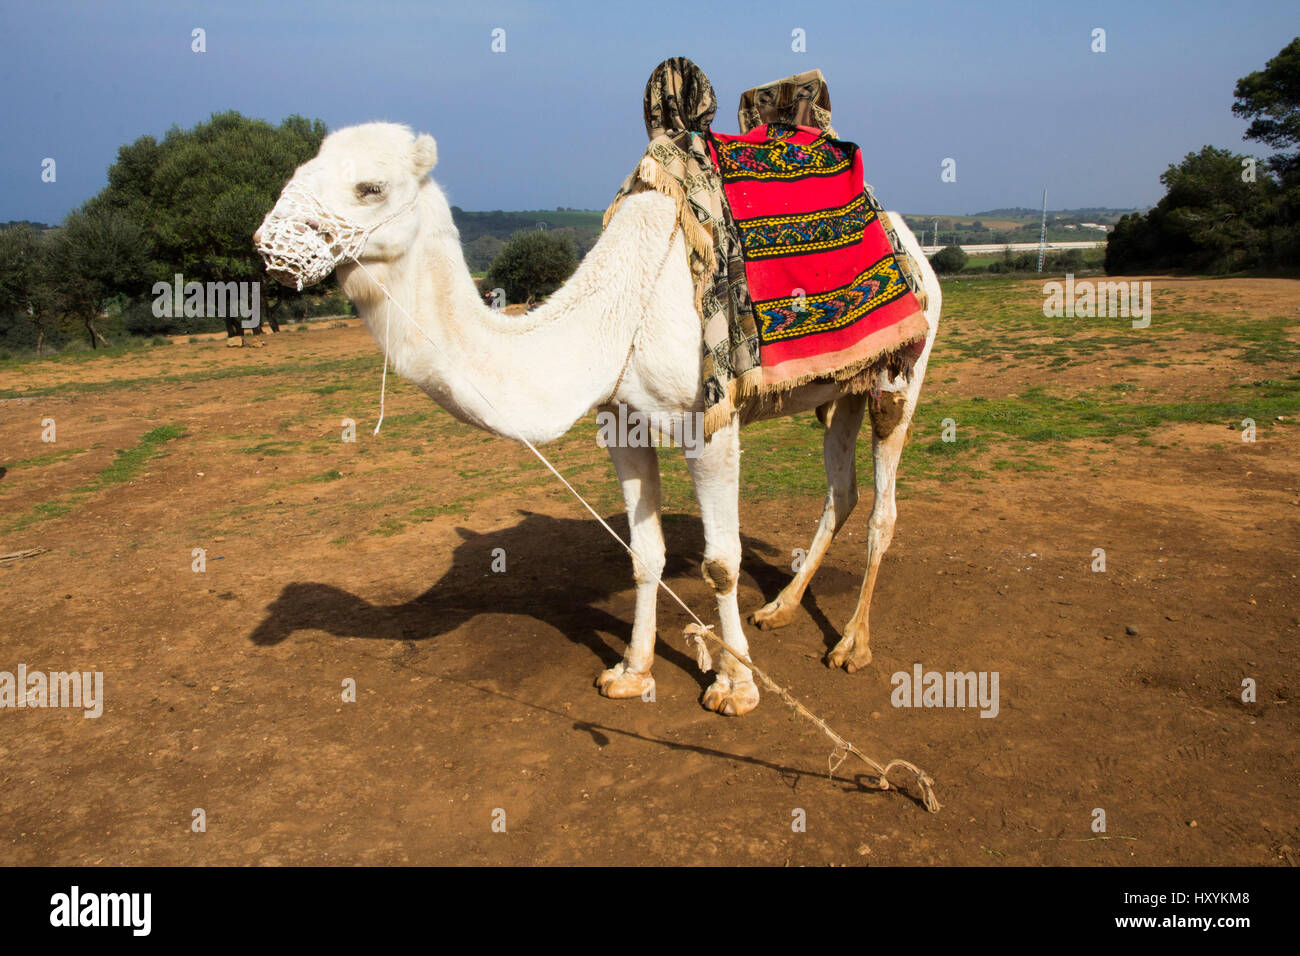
x,y
89,321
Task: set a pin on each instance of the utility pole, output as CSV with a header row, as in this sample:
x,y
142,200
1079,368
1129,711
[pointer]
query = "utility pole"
x,y
1042,233
936,233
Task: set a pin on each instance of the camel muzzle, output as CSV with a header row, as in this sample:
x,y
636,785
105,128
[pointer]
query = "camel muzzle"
x,y
301,240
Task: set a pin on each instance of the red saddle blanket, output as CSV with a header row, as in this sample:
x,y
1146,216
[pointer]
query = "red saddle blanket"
x,y
829,298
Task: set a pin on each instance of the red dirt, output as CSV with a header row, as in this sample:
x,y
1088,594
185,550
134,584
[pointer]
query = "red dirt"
x,y
474,689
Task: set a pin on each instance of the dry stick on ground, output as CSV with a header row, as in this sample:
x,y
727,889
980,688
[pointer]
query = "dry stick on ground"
x,y
696,635
29,553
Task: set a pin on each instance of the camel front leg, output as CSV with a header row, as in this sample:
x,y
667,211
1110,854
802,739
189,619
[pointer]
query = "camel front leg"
x,y
638,474
839,447
716,475
889,427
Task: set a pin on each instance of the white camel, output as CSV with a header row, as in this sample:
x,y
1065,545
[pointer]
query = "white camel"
x,y
533,376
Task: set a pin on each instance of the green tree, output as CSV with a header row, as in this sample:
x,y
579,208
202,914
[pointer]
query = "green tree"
x,y
25,317
200,193
1270,99
1209,219
533,265
1215,216
949,260
95,255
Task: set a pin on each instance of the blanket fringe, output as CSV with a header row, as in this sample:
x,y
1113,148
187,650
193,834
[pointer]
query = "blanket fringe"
x,y
748,394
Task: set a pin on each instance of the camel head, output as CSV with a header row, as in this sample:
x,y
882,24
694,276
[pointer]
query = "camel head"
x,y
355,200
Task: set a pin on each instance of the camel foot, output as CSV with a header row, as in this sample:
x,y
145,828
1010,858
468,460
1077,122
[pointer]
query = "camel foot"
x,y
618,683
731,700
776,614
851,653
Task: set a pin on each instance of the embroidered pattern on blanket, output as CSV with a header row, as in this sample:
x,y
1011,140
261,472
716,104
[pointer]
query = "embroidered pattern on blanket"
x,y
813,232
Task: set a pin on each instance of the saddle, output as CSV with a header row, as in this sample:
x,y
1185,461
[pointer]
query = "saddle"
x,y
799,275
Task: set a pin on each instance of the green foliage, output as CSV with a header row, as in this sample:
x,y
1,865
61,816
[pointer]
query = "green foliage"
x,y
949,259
200,193
480,252
96,254
1210,220
27,318
1270,99
1216,216
198,196
1076,261
484,234
533,265
188,204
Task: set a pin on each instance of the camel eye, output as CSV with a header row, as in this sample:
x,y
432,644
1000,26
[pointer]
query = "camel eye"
x,y
369,189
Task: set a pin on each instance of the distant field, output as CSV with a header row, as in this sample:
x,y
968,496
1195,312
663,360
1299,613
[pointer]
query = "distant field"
x,y
483,232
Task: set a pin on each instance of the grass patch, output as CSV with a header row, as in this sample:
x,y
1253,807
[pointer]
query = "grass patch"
x,y
126,464
48,459
389,527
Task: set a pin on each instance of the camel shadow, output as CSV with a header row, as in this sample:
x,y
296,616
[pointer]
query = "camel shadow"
x,y
556,571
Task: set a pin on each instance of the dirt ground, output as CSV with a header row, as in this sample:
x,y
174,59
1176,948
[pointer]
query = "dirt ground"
x,y
372,561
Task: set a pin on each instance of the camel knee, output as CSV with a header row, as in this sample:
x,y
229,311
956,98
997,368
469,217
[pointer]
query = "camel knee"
x,y
721,573
888,414
880,527
645,574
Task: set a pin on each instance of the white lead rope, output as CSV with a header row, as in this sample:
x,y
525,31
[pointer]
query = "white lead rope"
x,y
383,381
309,256
392,300
698,632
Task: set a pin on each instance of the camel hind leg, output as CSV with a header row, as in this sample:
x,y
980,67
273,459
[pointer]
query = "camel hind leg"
x,y
843,419
890,423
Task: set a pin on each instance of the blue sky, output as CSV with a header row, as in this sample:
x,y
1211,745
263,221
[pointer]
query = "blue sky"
x,y
1011,91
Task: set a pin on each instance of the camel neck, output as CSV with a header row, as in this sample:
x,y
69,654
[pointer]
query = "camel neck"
x,y
519,376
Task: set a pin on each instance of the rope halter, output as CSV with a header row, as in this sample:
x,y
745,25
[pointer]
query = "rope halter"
x,y
301,240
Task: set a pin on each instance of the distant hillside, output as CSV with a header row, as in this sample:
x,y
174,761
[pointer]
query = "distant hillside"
x,y
24,222
1015,224
484,234
1099,214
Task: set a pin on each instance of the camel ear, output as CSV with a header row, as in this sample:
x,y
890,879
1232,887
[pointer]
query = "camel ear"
x,y
426,154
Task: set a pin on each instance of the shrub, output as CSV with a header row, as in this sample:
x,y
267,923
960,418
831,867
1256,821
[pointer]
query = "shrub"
x,y
949,260
533,265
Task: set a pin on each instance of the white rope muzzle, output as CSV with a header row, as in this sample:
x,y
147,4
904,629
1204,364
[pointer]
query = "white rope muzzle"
x,y
301,241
